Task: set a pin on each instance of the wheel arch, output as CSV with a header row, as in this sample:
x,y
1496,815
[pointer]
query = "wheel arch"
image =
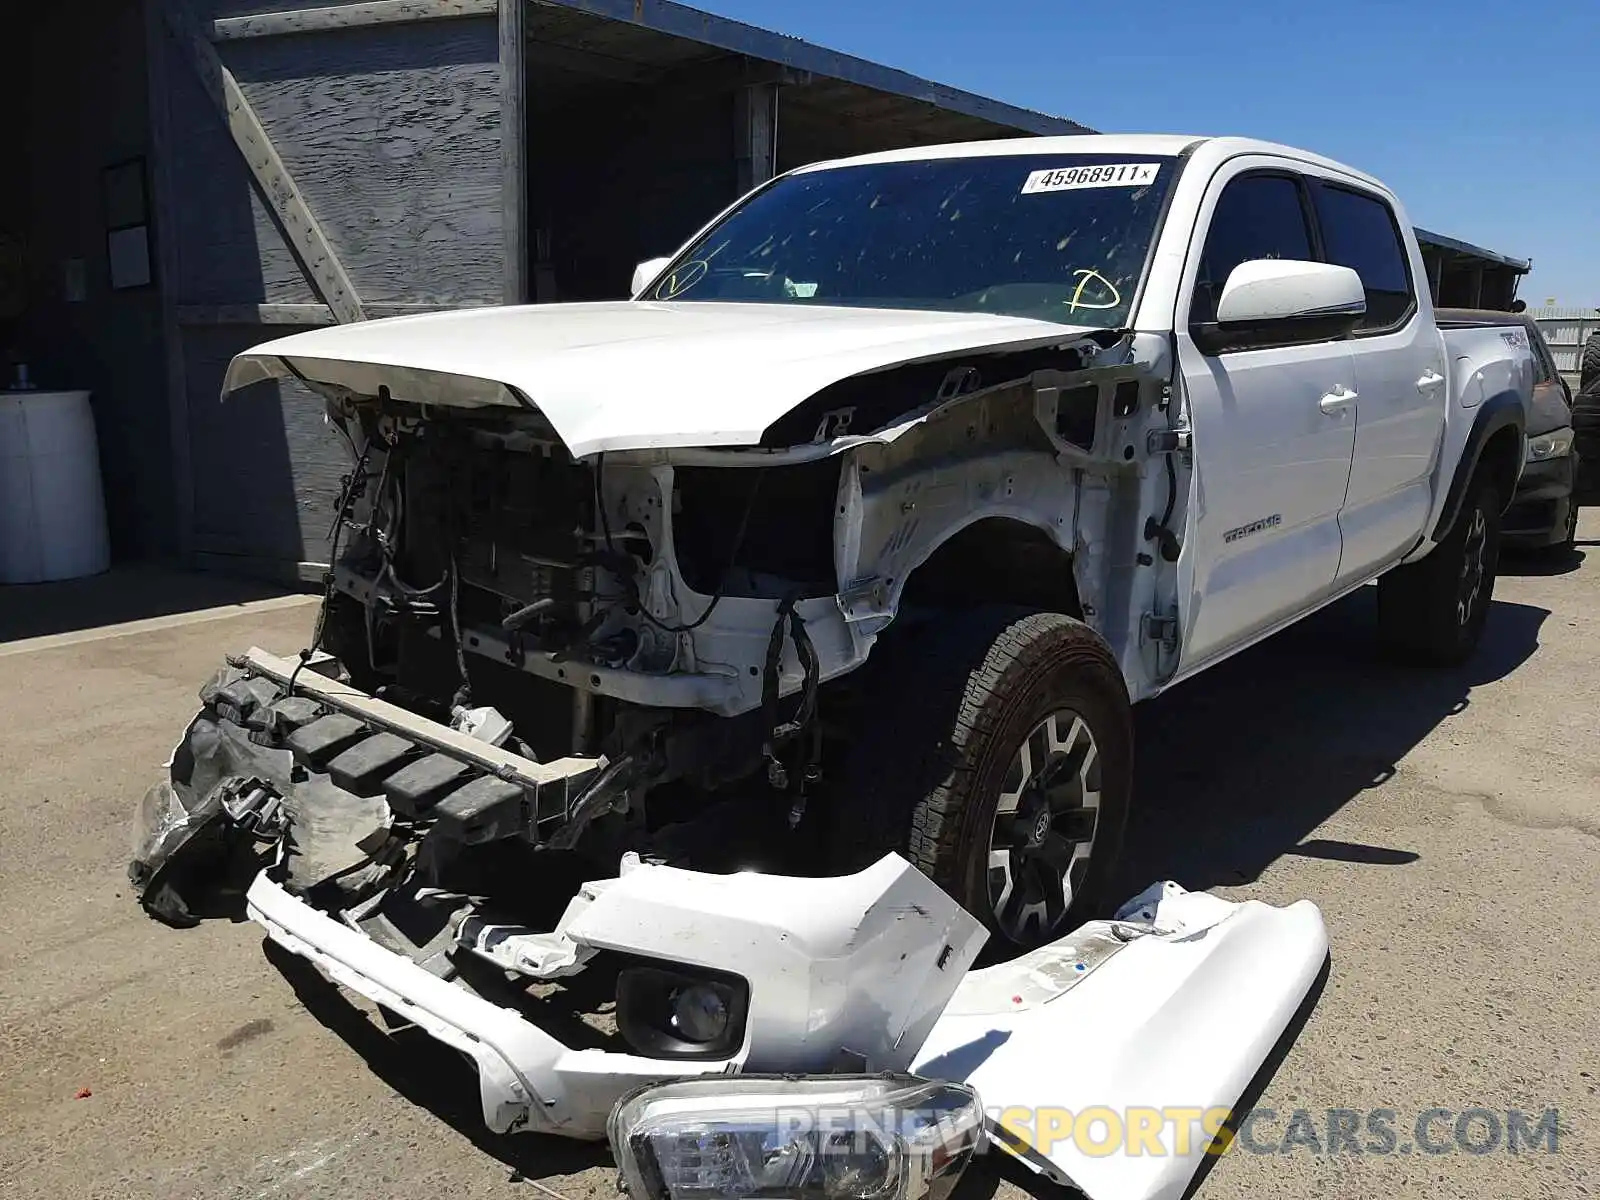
x,y
1493,446
995,560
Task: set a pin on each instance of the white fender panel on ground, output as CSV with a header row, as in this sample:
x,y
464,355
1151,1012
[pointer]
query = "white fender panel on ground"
x,y
1173,1006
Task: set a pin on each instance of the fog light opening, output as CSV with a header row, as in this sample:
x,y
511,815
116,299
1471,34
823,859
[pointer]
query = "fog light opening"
x,y
699,1012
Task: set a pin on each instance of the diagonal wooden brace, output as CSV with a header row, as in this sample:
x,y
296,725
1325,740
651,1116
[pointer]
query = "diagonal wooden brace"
x,y
288,206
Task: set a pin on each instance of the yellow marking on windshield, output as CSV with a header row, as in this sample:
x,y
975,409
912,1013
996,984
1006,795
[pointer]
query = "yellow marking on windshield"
x,y
1077,293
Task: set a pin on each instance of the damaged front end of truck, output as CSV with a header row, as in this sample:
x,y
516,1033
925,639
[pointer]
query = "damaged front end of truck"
x,y
543,648
540,636
649,552
763,1034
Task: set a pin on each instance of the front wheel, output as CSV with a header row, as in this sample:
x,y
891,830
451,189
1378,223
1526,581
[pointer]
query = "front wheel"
x,y
1433,611
996,754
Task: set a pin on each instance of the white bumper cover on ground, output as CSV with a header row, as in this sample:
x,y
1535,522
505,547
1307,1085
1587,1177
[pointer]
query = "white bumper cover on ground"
x,y
862,963
1169,1009
528,1079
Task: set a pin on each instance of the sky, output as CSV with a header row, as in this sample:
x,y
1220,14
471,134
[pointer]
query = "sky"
x,y
1483,117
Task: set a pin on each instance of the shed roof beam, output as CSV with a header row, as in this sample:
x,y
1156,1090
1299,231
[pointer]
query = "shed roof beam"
x,y
756,134
347,16
513,151
680,20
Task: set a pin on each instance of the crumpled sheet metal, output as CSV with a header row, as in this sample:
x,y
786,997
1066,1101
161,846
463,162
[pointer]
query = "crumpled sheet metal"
x,y
334,835
163,825
188,852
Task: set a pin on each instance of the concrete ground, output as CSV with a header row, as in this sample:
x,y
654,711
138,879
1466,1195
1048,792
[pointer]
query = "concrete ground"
x,y
1447,823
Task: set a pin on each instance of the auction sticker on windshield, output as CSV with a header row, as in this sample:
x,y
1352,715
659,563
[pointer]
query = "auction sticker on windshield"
x,y
1066,179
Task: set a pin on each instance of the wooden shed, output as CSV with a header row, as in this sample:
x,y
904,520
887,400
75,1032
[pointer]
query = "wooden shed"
x,y
204,174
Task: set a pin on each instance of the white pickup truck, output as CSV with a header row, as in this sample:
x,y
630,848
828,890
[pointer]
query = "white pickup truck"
x,y
872,511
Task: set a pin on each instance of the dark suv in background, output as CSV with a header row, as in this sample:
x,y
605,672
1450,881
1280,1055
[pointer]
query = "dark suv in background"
x,y
1543,515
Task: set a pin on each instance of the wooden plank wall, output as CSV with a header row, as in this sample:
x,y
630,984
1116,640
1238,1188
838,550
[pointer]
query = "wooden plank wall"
x,y
392,134
385,117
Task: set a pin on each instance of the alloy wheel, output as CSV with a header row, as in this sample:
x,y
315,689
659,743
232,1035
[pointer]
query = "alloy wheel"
x,y
1473,551
1044,828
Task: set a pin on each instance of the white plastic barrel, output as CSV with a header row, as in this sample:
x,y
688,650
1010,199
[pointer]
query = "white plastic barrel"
x,y
52,507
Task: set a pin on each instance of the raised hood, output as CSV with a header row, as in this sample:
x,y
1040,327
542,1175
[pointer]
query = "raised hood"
x,y
630,375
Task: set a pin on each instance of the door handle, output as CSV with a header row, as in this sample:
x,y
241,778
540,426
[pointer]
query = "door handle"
x,y
1338,400
1430,380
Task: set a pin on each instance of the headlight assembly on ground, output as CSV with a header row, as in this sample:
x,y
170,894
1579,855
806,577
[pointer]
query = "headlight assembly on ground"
x,y
887,1137
1549,445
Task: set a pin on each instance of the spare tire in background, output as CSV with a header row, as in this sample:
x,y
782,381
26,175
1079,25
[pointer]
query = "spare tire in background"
x,y
1586,425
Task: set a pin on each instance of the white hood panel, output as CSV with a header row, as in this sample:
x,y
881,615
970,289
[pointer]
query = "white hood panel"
x,y
628,375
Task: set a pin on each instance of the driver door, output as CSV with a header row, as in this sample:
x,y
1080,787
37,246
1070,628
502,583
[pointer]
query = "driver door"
x,y
1273,430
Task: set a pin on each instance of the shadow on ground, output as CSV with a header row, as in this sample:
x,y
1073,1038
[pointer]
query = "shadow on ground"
x,y
131,593
1536,563
432,1076
1240,764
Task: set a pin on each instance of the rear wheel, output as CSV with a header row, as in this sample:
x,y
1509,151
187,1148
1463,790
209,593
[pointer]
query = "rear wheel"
x,y
996,754
1433,611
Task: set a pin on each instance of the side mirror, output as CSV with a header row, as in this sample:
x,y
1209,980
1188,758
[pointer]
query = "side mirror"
x,y
645,273
1277,301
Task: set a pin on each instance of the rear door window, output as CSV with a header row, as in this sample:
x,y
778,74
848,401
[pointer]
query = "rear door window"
x,y
1257,216
1359,231
1543,361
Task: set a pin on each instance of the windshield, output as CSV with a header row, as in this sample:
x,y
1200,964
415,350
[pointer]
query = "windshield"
x,y
1059,237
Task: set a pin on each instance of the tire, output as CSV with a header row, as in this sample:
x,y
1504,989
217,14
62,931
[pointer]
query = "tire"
x,y
956,711
1433,611
1589,369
